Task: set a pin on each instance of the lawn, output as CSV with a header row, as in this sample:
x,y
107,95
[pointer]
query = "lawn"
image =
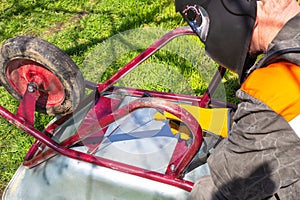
x,y
90,31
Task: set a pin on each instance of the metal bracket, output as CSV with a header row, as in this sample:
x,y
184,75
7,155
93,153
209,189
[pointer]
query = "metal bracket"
x,y
26,108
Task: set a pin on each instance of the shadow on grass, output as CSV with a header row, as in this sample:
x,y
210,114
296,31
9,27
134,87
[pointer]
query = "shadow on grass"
x,y
130,22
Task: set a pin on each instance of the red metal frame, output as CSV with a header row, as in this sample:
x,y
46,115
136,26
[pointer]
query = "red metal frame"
x,y
173,176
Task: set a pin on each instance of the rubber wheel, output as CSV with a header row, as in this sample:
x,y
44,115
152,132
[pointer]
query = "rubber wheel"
x,y
26,60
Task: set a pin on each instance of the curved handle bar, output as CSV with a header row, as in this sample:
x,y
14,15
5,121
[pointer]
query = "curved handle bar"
x,y
181,113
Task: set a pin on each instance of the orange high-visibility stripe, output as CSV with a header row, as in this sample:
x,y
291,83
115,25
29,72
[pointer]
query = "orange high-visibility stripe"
x,y
278,86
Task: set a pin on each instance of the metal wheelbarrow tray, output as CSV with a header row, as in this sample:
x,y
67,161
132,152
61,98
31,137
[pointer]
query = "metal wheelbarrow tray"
x,y
113,143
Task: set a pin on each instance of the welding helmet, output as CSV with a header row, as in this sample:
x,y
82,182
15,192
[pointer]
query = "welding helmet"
x,y
225,27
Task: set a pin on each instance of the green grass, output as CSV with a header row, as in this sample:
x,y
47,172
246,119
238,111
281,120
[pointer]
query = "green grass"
x,y
83,29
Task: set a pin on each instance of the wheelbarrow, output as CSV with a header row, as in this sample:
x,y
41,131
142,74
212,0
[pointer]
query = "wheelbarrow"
x,y
112,142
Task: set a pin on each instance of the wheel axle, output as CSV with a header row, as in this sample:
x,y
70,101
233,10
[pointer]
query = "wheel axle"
x,y
32,87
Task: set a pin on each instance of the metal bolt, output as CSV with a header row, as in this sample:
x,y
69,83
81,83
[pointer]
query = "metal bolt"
x,y
172,167
31,87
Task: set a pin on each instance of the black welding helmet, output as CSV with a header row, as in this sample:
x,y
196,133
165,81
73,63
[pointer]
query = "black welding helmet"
x,y
225,27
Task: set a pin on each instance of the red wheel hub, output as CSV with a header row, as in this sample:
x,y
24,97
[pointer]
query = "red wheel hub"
x,y
20,72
